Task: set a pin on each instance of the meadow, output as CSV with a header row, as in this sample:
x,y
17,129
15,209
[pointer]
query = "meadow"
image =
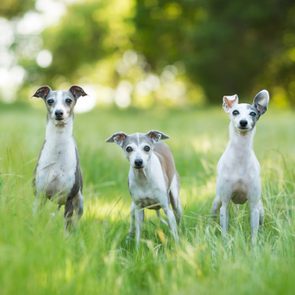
x,y
36,257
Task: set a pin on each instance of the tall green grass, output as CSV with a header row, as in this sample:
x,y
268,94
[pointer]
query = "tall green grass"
x,y
37,258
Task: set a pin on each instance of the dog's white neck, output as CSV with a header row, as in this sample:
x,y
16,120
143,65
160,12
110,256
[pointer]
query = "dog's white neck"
x,y
240,141
59,133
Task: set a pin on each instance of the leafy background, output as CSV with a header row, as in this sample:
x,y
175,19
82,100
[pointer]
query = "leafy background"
x,y
146,64
144,52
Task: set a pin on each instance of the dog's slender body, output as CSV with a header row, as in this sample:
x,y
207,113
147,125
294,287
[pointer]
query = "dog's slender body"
x,y
238,170
153,180
57,174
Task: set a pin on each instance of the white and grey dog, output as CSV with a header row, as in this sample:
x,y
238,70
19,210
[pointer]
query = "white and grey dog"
x,y
238,170
153,179
57,174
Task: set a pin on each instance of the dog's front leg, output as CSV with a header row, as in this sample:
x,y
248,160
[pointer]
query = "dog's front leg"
x,y
171,222
132,221
261,213
216,206
139,216
224,218
254,221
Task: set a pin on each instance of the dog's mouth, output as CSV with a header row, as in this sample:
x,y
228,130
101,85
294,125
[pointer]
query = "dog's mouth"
x,y
138,167
61,122
244,128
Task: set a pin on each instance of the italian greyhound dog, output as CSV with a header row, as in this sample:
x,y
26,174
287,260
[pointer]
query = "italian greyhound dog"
x,y
238,170
57,174
153,179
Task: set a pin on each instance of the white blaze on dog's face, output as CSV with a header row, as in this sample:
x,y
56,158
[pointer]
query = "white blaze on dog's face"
x,y
137,147
244,116
138,150
60,104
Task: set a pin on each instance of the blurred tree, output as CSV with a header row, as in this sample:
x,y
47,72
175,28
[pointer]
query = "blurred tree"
x,y
13,8
91,31
75,41
226,46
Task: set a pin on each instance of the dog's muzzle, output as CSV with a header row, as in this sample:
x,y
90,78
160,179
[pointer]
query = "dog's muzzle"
x,y
59,115
243,124
138,164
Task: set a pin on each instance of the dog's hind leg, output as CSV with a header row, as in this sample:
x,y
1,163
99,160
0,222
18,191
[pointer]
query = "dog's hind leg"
x,y
78,204
175,199
38,203
68,214
254,220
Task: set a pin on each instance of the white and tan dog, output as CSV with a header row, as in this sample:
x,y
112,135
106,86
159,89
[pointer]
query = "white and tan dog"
x,y
238,170
57,175
153,179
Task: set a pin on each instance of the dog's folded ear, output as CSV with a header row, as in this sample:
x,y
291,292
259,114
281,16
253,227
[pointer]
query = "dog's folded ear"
x,y
261,101
155,136
77,91
118,138
229,101
42,92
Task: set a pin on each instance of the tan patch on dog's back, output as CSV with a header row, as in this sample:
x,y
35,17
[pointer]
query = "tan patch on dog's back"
x,y
165,156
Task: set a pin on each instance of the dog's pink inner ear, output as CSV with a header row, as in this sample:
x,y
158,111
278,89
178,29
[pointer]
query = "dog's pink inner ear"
x,y
77,91
230,100
119,138
42,92
155,136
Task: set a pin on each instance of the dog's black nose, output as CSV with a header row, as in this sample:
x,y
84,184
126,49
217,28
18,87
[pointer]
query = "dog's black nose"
x,y
243,123
59,114
138,163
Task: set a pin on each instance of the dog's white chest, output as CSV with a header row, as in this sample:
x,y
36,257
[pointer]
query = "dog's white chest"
x,y
238,175
55,173
145,195
235,167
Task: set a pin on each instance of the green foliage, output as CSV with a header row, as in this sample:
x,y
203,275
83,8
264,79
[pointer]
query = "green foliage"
x,y
13,8
216,47
37,258
226,46
76,41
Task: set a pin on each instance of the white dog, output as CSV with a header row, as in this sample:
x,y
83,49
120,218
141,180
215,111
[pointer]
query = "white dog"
x,y
153,179
238,170
58,175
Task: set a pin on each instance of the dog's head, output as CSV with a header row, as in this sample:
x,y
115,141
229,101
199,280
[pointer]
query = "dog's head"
x,y
244,116
137,147
60,104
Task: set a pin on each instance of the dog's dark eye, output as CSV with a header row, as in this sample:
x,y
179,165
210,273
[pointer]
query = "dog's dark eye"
x,y
146,148
50,101
68,101
129,149
252,114
236,112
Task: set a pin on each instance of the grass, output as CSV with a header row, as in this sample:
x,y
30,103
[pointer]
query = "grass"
x,y
37,258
